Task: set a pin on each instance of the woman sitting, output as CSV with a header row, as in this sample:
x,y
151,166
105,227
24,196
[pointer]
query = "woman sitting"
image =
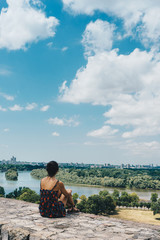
x,y
53,196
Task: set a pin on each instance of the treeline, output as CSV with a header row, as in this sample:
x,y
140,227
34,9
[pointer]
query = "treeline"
x,y
140,179
19,167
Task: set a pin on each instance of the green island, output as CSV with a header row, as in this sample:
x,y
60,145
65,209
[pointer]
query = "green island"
x,y
122,178
12,174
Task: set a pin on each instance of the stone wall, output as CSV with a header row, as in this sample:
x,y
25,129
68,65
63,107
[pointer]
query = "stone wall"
x,y
21,221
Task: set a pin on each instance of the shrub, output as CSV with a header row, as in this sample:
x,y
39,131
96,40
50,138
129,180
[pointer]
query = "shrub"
x,y
2,192
29,196
97,204
75,196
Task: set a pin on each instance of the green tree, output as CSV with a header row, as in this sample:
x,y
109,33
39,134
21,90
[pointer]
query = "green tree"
x,y
103,193
16,193
134,197
115,195
155,207
95,205
125,199
29,196
154,197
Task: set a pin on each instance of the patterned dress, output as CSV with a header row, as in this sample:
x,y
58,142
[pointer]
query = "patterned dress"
x,y
49,205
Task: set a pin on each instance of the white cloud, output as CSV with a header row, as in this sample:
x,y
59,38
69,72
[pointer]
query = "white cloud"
x,y
6,96
109,76
4,71
129,84
31,106
63,122
139,17
55,134
50,44
6,129
3,109
97,37
45,108
142,148
16,107
22,23
64,49
104,132
56,121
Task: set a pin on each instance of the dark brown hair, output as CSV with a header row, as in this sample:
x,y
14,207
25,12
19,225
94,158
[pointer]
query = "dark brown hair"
x,y
52,168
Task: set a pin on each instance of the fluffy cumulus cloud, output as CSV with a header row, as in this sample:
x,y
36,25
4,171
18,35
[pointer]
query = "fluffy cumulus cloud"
x,y
6,96
109,76
139,17
3,109
16,107
104,132
44,108
98,36
31,106
128,84
63,121
22,23
55,134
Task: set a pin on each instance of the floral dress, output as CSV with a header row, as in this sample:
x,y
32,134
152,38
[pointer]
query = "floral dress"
x,y
49,205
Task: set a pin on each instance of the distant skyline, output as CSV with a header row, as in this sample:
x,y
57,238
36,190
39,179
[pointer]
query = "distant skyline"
x,y
80,81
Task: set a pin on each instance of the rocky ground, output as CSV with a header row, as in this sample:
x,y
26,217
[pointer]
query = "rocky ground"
x,y
21,221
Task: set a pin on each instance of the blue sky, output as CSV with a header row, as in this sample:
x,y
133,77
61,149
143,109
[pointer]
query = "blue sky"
x,y
79,81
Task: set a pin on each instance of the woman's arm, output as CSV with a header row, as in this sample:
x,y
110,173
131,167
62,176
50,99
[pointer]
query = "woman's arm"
x,y
63,190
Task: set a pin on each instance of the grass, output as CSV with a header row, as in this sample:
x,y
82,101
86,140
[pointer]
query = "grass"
x,y
137,215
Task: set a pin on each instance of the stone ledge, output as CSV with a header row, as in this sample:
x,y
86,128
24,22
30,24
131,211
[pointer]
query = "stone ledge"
x,y
21,221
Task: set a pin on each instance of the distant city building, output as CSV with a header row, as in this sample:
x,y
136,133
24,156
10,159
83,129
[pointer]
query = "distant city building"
x,y
13,161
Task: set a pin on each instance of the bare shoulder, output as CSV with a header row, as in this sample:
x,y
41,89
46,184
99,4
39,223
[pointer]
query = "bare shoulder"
x,y
43,180
61,184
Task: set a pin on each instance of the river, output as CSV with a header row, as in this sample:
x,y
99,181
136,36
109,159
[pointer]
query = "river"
x,y
26,180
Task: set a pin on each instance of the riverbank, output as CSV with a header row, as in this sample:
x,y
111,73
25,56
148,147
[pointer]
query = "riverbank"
x,y
26,180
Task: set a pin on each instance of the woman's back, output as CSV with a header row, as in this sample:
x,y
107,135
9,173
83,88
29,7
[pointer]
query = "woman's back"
x,y
49,204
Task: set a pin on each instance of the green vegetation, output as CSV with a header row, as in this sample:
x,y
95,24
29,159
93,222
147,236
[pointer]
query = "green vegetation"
x,y
24,194
140,179
102,203
11,174
39,173
19,167
105,203
75,196
2,192
155,203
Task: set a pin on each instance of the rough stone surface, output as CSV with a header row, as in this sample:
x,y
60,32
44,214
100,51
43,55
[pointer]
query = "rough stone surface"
x,y
21,221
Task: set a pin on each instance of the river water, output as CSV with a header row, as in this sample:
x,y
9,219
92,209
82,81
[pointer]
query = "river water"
x,y
26,180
